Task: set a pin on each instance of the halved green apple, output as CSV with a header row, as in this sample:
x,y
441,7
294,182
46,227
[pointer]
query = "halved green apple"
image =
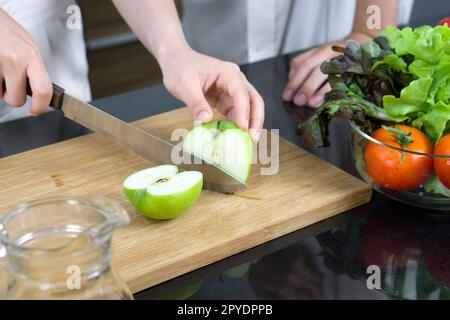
x,y
224,144
163,192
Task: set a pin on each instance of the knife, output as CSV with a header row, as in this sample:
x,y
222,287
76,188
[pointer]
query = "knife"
x,y
141,142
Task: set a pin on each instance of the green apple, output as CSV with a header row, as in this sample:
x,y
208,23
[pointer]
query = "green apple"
x,y
163,192
223,144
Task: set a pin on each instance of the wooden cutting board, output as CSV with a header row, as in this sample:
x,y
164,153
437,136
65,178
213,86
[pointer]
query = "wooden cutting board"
x,y
305,190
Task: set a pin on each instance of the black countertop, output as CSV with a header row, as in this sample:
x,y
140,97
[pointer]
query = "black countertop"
x,y
328,260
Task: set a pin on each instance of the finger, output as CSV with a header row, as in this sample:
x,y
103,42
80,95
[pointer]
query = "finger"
x,y
257,113
2,87
15,87
298,60
296,81
192,94
237,88
319,97
41,87
309,88
304,67
288,93
224,103
212,97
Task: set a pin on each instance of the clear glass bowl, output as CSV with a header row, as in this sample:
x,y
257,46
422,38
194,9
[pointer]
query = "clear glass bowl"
x,y
421,197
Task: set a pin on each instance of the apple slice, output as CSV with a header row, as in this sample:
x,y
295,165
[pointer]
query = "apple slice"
x,y
224,144
163,192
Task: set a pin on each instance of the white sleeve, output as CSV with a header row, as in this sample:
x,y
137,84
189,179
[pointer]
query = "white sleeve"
x,y
404,11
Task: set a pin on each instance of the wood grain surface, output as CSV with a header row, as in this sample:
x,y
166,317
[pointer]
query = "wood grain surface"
x,y
145,253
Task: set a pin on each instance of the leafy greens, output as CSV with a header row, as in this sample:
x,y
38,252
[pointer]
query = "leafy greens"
x,y
403,76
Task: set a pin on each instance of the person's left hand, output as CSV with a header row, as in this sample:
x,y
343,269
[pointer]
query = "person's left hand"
x,y
204,83
307,85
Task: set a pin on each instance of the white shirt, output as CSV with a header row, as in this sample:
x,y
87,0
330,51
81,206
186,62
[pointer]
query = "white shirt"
x,y
62,48
245,31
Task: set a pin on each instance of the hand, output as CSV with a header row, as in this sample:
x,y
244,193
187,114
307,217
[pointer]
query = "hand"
x,y
20,61
307,85
203,83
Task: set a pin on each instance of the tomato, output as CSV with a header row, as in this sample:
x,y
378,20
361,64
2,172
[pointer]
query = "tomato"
x,y
442,165
445,21
394,169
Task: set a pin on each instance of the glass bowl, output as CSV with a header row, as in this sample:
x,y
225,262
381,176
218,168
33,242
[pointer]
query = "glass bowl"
x,y
430,194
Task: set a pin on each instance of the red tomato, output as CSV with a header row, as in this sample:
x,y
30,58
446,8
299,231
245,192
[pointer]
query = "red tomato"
x,y
445,21
442,165
398,170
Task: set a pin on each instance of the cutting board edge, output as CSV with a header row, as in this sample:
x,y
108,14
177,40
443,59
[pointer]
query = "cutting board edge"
x,y
321,159
135,280
136,284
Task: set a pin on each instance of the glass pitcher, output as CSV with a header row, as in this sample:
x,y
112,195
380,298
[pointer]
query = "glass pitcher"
x,y
61,249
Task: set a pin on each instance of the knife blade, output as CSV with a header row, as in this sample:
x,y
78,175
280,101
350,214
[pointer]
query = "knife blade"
x,y
141,142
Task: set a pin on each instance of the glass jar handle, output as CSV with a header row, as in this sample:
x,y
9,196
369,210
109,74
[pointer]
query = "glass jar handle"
x,y
3,273
2,240
117,215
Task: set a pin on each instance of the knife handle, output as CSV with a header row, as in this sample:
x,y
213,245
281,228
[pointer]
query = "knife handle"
x,y
57,97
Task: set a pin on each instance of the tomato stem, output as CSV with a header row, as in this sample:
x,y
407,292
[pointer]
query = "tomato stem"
x,y
402,137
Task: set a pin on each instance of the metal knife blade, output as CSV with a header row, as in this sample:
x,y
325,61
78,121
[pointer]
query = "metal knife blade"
x,y
141,142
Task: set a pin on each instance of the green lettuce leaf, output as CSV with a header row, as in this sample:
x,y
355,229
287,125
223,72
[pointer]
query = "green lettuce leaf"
x,y
393,34
424,43
434,122
421,69
413,99
441,74
434,185
443,93
393,61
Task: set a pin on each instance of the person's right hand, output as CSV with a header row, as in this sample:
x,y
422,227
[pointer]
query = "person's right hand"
x,y
21,61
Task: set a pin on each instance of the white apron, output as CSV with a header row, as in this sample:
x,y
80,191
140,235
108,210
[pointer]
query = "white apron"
x,y
62,48
250,30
